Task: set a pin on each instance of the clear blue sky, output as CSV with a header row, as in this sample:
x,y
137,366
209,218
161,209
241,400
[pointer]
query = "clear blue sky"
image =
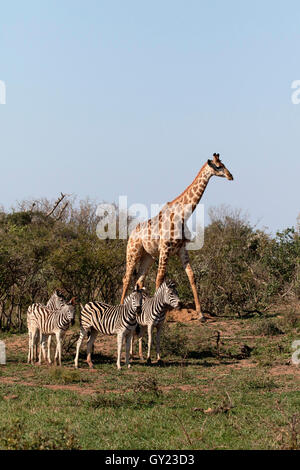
x,y
131,97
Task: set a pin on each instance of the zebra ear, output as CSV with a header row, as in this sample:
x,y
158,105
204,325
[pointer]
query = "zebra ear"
x,y
73,301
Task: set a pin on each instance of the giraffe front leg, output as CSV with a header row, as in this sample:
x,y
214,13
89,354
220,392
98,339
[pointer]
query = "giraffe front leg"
x,y
134,252
164,252
184,256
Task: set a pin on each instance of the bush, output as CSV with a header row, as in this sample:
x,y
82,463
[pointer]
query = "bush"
x,y
239,271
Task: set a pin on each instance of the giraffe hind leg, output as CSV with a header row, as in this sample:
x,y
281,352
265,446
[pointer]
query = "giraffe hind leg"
x,y
145,264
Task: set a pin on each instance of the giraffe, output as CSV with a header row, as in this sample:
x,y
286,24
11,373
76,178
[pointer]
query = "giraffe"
x,y
166,233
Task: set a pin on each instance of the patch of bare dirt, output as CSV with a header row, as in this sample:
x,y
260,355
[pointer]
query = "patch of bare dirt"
x,y
285,370
184,315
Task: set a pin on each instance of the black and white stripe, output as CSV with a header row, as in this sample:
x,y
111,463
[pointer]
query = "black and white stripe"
x,y
120,320
153,314
56,301
43,321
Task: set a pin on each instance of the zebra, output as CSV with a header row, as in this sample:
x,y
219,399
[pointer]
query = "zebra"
x,y
45,321
107,319
56,301
153,315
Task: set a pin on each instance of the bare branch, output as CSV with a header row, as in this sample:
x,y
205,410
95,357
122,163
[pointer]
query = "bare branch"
x,y
62,196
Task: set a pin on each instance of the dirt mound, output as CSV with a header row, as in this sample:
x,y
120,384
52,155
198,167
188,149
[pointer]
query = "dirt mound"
x,y
184,315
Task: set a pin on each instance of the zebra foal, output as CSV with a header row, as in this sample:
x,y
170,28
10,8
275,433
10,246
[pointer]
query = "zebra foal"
x,y
153,314
56,301
120,320
44,321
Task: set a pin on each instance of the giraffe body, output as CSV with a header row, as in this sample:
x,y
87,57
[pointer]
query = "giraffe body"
x,y
166,234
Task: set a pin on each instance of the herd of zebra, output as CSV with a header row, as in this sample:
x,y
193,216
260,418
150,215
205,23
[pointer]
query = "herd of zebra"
x,y
138,314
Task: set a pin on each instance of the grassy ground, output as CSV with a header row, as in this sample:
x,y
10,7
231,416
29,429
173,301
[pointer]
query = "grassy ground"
x,y
227,384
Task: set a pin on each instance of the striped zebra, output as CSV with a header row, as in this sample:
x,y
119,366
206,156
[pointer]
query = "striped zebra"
x,y
56,301
43,321
153,315
117,320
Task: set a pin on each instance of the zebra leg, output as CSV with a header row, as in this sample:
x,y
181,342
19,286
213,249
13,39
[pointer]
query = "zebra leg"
x,y
29,360
49,349
59,335
79,342
43,345
127,347
131,345
120,338
141,334
141,349
150,330
33,340
40,351
158,333
36,344
89,347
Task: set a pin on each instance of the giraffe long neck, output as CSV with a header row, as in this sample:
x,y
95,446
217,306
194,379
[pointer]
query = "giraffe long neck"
x,y
193,193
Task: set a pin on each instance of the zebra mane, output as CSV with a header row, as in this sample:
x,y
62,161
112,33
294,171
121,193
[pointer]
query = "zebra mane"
x,y
129,297
57,299
170,283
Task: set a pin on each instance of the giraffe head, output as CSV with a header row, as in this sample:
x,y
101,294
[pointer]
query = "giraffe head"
x,y
218,168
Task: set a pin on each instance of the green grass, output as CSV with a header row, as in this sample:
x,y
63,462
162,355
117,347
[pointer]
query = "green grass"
x,y
38,418
181,404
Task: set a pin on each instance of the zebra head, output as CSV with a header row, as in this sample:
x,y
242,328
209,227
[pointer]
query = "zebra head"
x,y
68,311
136,300
169,292
57,300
